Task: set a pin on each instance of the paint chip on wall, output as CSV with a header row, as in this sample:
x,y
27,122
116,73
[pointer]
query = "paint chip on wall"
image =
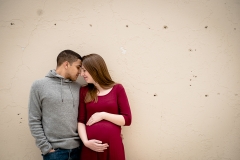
x,y
39,12
123,50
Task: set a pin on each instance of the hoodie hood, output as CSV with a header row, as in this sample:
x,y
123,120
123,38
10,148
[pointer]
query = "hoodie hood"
x,y
53,74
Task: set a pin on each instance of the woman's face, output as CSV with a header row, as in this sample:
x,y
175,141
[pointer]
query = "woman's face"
x,y
86,75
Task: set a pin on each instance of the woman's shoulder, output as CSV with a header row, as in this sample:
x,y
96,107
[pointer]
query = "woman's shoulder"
x,y
118,86
84,88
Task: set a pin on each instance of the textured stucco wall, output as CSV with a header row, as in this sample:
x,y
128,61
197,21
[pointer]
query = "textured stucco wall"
x,y
179,61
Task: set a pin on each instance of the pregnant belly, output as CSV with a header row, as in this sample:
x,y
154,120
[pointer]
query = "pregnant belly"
x,y
103,131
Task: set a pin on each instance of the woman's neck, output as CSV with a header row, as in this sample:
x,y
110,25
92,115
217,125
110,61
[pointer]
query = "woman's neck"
x,y
101,91
99,88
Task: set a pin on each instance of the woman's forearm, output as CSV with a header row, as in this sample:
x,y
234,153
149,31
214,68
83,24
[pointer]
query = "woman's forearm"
x,y
114,118
82,132
93,144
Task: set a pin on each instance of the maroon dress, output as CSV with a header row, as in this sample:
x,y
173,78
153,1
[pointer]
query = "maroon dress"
x,y
114,102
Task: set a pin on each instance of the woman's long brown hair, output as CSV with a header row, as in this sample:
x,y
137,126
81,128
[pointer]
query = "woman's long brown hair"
x,y
97,68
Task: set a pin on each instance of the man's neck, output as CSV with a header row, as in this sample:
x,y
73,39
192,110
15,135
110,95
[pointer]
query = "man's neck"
x,y
61,72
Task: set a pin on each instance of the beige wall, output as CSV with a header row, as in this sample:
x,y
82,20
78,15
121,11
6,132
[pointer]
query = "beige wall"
x,y
179,61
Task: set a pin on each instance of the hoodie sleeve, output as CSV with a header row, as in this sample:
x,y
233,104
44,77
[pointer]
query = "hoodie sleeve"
x,y
35,119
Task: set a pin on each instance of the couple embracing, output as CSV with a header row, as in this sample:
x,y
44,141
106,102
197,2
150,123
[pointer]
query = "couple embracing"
x,y
70,122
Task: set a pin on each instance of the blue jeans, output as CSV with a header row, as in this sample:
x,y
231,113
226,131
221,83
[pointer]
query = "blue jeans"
x,y
63,154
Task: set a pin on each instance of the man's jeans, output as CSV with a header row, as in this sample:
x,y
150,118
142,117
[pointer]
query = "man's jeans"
x,y
63,154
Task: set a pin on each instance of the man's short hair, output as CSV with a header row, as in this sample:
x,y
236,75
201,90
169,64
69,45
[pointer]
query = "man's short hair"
x,y
67,55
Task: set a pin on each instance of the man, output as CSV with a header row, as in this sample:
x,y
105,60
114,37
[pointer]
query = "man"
x,y
53,109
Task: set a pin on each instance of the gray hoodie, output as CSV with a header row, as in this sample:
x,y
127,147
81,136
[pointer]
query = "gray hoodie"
x,y
53,112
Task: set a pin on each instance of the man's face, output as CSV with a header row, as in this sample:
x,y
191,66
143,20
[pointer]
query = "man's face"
x,y
74,70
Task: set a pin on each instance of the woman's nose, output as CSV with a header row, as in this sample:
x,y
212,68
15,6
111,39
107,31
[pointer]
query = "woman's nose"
x,y
81,73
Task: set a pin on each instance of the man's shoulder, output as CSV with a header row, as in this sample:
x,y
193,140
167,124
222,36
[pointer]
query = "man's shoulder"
x,y
76,85
40,82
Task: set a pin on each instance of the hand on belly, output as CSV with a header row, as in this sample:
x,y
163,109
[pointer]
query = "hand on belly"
x,y
103,131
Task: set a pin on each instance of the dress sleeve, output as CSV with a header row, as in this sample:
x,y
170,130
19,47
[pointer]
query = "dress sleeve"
x,y
82,106
123,105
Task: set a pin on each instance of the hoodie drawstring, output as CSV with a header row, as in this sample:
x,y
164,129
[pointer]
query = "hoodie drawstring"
x,y
71,93
61,89
53,74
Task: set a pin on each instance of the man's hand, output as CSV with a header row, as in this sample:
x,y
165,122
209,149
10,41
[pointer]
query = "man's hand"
x,y
96,117
96,145
52,150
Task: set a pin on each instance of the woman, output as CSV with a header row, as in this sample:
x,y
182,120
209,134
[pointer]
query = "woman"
x,y
103,109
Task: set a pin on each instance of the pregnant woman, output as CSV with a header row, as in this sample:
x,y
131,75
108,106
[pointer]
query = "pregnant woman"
x,y
103,109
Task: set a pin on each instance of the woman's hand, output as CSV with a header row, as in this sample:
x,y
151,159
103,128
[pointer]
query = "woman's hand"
x,y
96,117
114,118
96,145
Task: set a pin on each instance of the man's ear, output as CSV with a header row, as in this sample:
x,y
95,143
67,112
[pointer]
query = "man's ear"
x,y
66,64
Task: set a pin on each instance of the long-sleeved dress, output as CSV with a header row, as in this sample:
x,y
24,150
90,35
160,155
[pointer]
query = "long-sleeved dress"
x,y
115,102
